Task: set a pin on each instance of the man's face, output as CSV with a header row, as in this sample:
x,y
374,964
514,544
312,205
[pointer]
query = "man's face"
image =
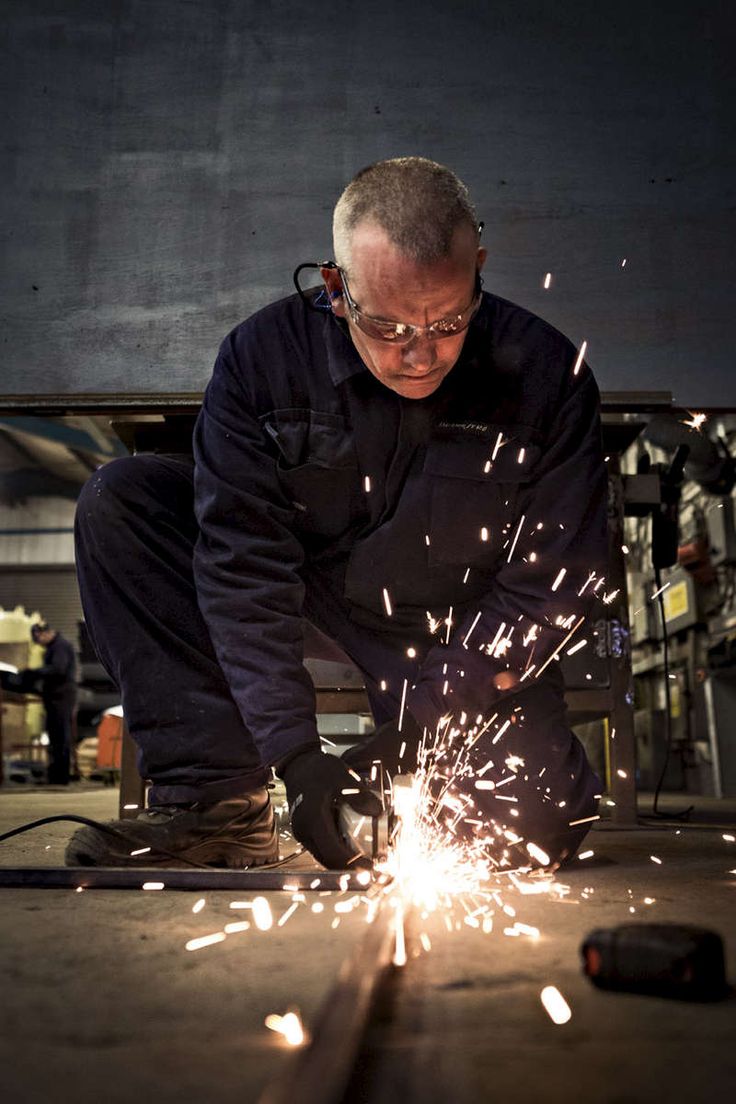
x,y
387,285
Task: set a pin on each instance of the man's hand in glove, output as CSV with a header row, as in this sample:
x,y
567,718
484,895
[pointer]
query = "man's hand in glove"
x,y
397,750
316,786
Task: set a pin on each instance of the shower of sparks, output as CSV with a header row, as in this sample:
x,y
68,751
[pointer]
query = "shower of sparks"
x,y
659,591
696,422
623,263
561,575
586,584
433,623
470,630
152,885
288,914
262,915
499,444
458,847
198,905
580,359
205,941
560,646
367,484
236,926
403,704
537,853
452,852
516,537
555,1005
289,1025
547,280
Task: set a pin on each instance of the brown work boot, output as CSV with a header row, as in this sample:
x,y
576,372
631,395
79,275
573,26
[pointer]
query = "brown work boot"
x,y
238,832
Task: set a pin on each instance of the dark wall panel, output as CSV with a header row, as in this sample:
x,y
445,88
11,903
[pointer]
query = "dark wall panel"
x,y
168,162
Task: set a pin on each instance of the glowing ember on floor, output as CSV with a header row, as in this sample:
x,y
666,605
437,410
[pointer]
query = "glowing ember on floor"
x,y
288,1025
205,941
555,1005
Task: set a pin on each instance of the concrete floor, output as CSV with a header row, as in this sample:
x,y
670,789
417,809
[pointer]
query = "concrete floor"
x,y
102,1001
469,1026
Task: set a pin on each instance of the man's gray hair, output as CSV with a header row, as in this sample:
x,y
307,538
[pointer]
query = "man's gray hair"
x,y
419,203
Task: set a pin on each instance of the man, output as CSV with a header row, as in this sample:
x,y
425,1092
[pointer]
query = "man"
x,y
58,689
402,469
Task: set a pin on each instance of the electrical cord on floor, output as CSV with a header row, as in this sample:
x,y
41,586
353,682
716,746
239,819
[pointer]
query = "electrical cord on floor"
x,y
684,813
128,839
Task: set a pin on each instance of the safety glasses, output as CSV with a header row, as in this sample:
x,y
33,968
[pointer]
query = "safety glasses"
x,y
384,329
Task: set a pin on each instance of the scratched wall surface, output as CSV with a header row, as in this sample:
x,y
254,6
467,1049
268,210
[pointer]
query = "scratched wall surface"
x,y
168,162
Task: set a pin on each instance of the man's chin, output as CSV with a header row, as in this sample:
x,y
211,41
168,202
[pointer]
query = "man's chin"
x,y
418,387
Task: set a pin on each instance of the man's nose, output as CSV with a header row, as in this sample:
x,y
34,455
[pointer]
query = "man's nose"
x,y
420,355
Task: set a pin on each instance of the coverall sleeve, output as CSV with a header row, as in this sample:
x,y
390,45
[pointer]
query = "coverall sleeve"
x,y
61,666
556,541
246,568
57,669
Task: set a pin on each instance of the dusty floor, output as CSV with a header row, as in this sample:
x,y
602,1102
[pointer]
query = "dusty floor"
x,y
102,1001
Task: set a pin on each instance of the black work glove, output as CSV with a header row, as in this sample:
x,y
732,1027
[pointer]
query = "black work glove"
x,y
314,789
385,745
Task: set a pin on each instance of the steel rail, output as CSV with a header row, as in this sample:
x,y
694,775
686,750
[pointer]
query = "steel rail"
x,y
321,1071
76,877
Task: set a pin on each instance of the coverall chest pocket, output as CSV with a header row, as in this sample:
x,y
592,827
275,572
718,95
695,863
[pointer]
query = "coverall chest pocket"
x,y
317,468
475,494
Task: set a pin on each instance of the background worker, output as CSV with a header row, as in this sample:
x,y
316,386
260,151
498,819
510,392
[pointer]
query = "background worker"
x,y
57,682
395,452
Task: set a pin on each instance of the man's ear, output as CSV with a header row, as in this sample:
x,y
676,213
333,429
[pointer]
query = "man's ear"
x,y
482,254
333,283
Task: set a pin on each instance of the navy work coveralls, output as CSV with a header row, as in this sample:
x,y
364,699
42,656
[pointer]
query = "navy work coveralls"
x,y
59,694
315,489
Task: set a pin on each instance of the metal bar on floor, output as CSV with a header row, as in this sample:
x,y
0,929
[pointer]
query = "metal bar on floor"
x,y
98,877
322,1070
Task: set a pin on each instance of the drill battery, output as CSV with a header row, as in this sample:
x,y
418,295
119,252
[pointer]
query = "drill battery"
x,y
668,960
